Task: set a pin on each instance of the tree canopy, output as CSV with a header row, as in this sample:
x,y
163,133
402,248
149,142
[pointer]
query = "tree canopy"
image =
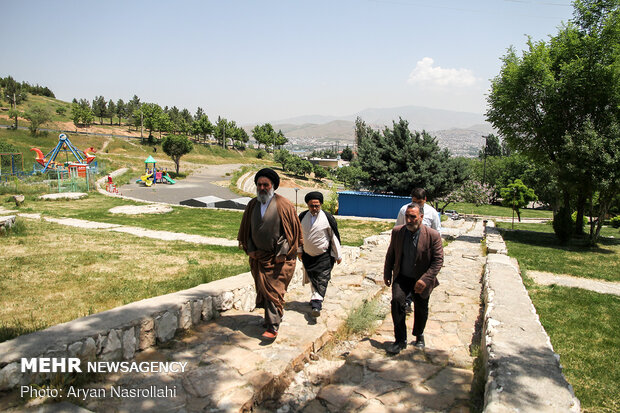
x,y
559,103
398,160
175,146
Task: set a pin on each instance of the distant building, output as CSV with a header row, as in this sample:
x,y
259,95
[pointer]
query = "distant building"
x,y
329,163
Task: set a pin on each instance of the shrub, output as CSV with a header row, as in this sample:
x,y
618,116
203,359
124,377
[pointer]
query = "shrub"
x,y
615,222
261,154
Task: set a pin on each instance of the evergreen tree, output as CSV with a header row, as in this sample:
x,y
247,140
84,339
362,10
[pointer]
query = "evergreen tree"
x,y
398,160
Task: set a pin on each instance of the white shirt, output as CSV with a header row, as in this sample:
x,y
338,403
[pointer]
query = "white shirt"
x,y
317,234
263,207
431,217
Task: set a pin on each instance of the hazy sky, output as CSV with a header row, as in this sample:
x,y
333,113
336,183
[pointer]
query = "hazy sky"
x,y
269,60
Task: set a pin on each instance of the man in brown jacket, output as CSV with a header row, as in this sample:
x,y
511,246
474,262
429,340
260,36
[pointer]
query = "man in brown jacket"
x,y
270,233
412,262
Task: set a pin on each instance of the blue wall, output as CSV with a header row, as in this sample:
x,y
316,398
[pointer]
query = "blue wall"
x,y
367,204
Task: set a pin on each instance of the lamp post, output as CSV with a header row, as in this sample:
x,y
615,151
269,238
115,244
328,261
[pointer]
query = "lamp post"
x,y
484,153
296,190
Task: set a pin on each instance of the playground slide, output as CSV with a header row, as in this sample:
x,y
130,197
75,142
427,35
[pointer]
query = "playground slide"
x,y
167,178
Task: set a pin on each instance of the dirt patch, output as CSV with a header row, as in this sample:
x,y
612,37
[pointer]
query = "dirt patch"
x,y
141,209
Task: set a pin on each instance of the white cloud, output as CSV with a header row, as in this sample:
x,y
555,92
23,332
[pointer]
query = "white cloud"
x,y
425,74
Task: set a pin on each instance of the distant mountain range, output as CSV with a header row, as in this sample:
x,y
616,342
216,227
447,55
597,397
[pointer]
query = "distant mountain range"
x,y
461,132
419,118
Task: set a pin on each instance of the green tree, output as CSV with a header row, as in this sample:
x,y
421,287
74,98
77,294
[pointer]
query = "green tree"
x,y
240,137
121,110
492,147
202,127
319,171
516,195
559,104
38,116
99,108
61,110
81,113
398,160
153,117
280,139
175,146
111,110
347,154
14,94
264,134
351,176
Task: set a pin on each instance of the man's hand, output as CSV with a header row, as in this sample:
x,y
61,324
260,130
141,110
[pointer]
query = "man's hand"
x,y
339,260
419,287
387,281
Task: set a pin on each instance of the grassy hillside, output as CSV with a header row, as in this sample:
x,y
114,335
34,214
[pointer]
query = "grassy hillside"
x,y
114,153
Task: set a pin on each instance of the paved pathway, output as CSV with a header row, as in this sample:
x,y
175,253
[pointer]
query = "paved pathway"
x,y
599,286
437,379
230,369
203,182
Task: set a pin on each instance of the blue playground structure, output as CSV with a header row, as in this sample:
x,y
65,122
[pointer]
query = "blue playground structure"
x,y
82,161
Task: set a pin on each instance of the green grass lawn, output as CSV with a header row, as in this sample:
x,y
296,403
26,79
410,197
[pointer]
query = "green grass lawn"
x,y
496,211
584,328
198,221
537,248
52,273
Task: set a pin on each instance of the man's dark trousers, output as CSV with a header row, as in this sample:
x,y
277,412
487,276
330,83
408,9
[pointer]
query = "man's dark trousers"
x,y
400,288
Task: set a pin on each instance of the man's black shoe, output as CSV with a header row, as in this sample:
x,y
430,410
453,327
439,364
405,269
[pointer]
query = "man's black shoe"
x,y
316,308
408,309
396,347
419,342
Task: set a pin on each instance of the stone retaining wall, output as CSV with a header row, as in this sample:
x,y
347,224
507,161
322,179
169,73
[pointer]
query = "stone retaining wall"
x,y
523,372
119,333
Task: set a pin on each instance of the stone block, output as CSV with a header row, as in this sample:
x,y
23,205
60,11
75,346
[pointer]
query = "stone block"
x,y
10,376
129,343
146,337
185,316
207,309
74,349
196,311
166,326
112,347
224,301
89,349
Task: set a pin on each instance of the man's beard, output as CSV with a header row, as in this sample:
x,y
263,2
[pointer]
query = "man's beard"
x,y
264,195
413,227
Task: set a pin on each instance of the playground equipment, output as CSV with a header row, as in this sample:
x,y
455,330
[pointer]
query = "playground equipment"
x,y
154,175
111,186
11,166
83,160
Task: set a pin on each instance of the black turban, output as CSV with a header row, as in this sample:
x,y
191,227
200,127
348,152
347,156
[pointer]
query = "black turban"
x,y
314,195
269,174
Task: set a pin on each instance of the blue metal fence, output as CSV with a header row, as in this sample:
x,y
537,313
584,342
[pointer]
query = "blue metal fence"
x,y
368,204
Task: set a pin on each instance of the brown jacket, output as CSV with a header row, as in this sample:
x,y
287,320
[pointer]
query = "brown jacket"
x,y
428,259
290,224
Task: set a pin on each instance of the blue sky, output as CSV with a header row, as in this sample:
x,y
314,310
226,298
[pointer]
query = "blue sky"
x,y
269,60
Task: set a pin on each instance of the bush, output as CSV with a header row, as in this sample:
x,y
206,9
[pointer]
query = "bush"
x,y
615,222
261,154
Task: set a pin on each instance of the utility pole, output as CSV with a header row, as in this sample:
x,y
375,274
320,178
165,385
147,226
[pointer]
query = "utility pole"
x,y
484,153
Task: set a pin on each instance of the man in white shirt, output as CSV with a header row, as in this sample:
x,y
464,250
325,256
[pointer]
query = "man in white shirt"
x,y
431,219
320,250
431,216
